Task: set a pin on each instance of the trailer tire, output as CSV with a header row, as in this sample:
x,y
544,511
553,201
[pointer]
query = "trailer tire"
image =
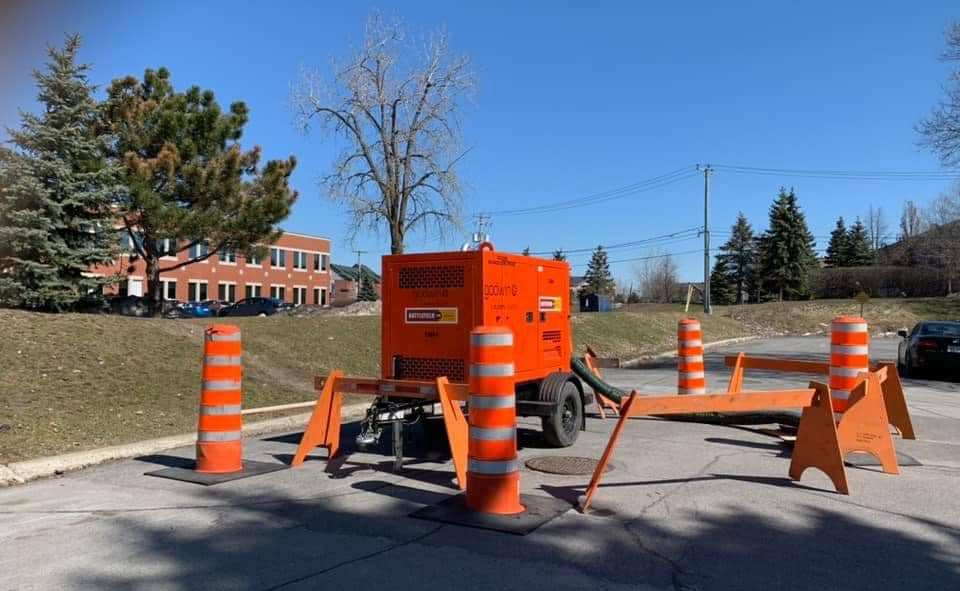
x,y
562,427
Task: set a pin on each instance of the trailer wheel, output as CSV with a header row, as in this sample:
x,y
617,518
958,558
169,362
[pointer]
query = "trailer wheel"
x,y
562,427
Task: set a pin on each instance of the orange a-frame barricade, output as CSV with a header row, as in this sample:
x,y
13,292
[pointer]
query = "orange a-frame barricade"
x,y
891,389
821,441
590,360
323,429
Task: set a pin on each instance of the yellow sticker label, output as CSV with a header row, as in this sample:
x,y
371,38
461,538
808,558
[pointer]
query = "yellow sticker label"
x,y
551,303
430,315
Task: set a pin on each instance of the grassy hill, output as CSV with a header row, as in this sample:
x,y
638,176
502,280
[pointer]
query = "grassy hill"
x,y
74,381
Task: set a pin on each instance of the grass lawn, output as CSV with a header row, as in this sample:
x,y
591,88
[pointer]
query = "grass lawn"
x,y
74,381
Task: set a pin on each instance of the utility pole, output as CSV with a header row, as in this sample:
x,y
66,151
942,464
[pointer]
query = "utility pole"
x,y
706,238
359,272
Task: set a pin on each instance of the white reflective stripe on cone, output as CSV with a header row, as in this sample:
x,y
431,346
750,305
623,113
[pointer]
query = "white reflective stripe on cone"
x,y
493,434
692,390
687,327
496,339
847,372
223,337
850,349
849,327
691,359
840,393
691,344
221,385
493,467
220,409
492,370
218,435
507,401
691,375
222,360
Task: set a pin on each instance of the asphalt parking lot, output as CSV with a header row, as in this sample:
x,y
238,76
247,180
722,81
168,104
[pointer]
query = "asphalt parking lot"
x,y
687,506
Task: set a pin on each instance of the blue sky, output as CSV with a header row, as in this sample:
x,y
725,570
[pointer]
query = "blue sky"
x,y
573,99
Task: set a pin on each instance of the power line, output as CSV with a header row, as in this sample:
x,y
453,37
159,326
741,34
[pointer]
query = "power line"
x,y
869,175
650,184
647,258
631,244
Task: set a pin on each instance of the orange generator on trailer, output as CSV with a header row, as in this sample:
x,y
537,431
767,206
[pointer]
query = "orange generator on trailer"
x,y
432,301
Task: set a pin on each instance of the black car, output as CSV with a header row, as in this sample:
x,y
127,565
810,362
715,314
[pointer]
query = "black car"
x,y
930,346
253,307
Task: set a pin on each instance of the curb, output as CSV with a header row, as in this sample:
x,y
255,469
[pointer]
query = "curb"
x,y
640,361
27,470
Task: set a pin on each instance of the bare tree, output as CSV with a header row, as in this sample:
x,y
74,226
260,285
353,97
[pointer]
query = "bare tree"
x,y
657,276
942,239
396,105
941,130
911,221
876,227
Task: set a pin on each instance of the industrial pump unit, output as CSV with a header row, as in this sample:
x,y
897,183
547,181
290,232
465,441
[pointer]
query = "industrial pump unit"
x,y
432,301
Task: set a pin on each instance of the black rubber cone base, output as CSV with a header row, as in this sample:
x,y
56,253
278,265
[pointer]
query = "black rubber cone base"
x,y
188,474
454,510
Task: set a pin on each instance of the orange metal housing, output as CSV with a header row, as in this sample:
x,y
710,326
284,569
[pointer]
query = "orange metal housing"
x,y
432,301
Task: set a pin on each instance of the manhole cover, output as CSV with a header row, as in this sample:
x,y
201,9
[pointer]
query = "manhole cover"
x,y
566,465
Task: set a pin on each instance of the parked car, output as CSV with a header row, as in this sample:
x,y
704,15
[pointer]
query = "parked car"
x,y
255,307
204,309
128,305
930,346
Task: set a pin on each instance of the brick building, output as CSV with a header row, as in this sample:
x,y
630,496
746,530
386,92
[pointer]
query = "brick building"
x,y
344,283
296,269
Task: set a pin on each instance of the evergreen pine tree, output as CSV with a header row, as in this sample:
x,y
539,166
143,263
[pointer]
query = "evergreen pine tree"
x,y
787,249
859,252
739,255
558,255
838,248
721,290
368,292
598,277
55,192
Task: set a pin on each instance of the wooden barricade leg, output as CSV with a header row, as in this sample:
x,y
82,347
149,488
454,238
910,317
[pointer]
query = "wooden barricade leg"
x,y
602,401
608,452
818,444
736,376
864,426
323,430
457,433
895,403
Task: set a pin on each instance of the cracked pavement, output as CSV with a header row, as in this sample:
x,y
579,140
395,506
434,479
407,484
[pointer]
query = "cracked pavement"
x,y
687,506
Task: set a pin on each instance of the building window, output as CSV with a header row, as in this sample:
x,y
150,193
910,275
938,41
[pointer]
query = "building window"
x,y
196,291
319,296
299,295
227,292
254,260
169,289
200,249
278,257
278,292
251,290
320,262
127,241
300,260
228,256
167,247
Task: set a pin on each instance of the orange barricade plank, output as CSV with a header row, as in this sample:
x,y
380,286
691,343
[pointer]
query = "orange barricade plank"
x,y
768,363
738,402
323,430
864,425
457,430
602,401
818,445
895,402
